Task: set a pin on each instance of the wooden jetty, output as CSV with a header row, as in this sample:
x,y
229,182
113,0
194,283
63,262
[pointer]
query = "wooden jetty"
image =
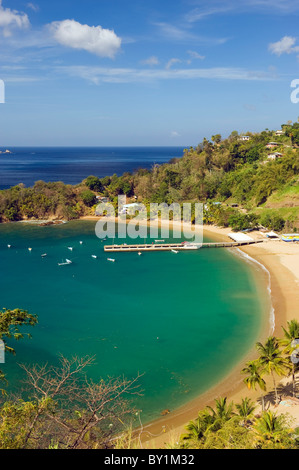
x,y
175,246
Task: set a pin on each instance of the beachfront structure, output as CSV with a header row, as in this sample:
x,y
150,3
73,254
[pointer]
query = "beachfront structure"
x,y
274,156
206,206
129,208
290,237
272,236
240,237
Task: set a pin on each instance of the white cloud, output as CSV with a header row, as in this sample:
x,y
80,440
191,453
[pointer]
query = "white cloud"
x,y
174,134
99,75
33,6
286,45
195,55
199,13
171,62
94,39
12,18
153,60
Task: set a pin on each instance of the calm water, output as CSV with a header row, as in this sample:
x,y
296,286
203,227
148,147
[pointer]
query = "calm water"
x,y
183,320
71,165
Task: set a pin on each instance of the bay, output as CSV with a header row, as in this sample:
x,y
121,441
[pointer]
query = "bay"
x,y
182,320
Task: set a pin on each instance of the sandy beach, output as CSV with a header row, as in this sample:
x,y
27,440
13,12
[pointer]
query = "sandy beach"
x,y
281,267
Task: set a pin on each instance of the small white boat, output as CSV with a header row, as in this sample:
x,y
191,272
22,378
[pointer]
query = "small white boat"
x,y
29,249
94,256
8,246
43,255
174,251
111,259
139,253
80,243
70,248
67,261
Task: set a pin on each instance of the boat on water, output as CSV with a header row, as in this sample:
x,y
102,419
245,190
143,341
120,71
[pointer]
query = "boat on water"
x,y
111,259
94,256
190,246
44,255
70,248
8,246
174,251
67,261
139,253
29,249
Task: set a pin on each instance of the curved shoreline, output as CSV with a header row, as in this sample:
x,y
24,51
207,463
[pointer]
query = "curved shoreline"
x,y
281,281
162,431
283,288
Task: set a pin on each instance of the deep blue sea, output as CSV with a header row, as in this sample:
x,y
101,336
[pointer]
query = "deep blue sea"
x,y
72,164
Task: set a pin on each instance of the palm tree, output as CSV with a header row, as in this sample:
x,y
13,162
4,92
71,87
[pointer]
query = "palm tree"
x,y
245,409
197,429
222,413
271,428
272,360
254,379
208,420
290,336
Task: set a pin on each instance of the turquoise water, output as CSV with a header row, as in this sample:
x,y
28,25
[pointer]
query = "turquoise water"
x,y
183,320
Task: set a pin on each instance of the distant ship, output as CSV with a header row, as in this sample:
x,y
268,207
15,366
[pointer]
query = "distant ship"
x,y
5,151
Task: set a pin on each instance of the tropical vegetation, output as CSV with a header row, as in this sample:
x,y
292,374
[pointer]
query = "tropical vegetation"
x,y
249,188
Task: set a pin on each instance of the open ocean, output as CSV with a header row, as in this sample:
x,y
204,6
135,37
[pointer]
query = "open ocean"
x,y
72,164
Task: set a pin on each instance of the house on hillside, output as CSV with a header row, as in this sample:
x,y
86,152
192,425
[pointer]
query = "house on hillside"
x,y
279,132
272,145
274,156
244,137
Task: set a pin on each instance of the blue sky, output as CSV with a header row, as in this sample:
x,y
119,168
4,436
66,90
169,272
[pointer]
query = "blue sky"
x,y
136,72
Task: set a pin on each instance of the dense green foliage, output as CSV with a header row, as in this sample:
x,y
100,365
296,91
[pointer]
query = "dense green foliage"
x,y
232,171
11,322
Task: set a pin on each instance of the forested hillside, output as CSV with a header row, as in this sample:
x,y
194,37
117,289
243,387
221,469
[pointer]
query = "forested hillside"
x,y
256,183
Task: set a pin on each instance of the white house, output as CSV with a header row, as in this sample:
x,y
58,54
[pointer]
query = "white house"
x,y
279,132
274,156
272,145
244,137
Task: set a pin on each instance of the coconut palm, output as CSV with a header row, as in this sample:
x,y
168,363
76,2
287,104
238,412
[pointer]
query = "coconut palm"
x,y
272,428
291,334
272,360
197,429
208,420
222,413
245,409
254,371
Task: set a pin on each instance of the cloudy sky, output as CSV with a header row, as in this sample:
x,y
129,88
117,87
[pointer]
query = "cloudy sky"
x,y
145,72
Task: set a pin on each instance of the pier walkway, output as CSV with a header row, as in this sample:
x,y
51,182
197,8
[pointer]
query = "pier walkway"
x,y
175,246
